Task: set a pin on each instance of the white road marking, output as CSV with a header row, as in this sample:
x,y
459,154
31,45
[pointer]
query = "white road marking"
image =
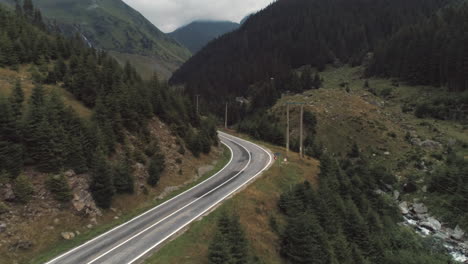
x,y
128,222
187,205
217,202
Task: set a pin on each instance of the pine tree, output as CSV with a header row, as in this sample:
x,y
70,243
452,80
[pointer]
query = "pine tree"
x,y
123,180
23,189
219,251
101,184
58,186
155,169
11,151
17,99
238,242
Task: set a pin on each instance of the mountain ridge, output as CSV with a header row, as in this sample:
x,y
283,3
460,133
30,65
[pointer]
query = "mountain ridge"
x,y
197,34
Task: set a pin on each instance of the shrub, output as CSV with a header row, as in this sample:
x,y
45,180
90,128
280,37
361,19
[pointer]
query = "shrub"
x,y
23,189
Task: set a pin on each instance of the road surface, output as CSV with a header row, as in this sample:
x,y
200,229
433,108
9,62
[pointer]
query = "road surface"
x,y
136,239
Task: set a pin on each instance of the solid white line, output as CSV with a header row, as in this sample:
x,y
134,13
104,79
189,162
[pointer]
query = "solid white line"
x,y
220,200
137,217
187,205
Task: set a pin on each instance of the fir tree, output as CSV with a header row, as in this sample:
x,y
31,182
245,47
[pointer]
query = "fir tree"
x,y
101,184
58,186
23,189
155,169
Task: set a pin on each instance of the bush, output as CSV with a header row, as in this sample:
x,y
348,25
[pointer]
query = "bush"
x,y
23,189
58,186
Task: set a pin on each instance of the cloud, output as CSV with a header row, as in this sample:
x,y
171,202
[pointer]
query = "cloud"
x,y
168,15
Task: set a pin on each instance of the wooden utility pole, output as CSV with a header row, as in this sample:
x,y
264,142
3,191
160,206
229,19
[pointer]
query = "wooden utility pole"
x,y
301,128
287,130
226,117
301,148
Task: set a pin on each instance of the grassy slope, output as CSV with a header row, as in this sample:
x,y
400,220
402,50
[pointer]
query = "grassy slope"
x,y
113,25
131,205
48,244
343,118
8,79
255,206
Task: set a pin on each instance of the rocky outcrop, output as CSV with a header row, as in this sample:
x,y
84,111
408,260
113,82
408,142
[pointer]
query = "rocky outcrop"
x,y
416,215
82,201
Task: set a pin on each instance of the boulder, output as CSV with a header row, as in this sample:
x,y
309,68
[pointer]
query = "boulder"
x,y
404,208
396,195
419,208
22,245
416,141
432,224
431,145
458,233
3,227
68,235
8,193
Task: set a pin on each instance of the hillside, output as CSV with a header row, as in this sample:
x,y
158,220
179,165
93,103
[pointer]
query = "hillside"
x,y
114,26
85,142
289,34
197,34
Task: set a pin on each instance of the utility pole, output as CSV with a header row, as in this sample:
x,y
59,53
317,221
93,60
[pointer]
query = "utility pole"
x,y
301,148
287,130
301,128
198,112
226,117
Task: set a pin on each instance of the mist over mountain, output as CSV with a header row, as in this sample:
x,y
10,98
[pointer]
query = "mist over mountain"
x,y
197,34
114,26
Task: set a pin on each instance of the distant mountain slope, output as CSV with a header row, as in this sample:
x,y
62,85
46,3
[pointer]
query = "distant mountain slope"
x,y
113,25
197,34
293,33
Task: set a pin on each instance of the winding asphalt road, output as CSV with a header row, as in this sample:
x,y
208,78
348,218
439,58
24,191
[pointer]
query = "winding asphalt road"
x,y
136,239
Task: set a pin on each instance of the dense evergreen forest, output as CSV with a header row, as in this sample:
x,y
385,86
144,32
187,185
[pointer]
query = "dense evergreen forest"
x,y
45,133
432,52
345,220
290,34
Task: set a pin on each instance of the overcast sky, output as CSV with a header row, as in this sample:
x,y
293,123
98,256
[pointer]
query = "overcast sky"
x,y
168,15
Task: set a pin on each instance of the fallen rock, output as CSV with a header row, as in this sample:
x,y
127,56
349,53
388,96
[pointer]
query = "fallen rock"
x,y
396,195
432,224
416,141
404,208
431,144
68,235
419,208
3,227
22,245
458,233
8,194
89,226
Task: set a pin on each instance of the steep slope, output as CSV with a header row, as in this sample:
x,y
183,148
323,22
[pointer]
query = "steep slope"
x,y
197,34
114,26
289,34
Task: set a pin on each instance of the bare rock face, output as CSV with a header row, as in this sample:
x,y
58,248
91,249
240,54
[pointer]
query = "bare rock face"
x,y
83,201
